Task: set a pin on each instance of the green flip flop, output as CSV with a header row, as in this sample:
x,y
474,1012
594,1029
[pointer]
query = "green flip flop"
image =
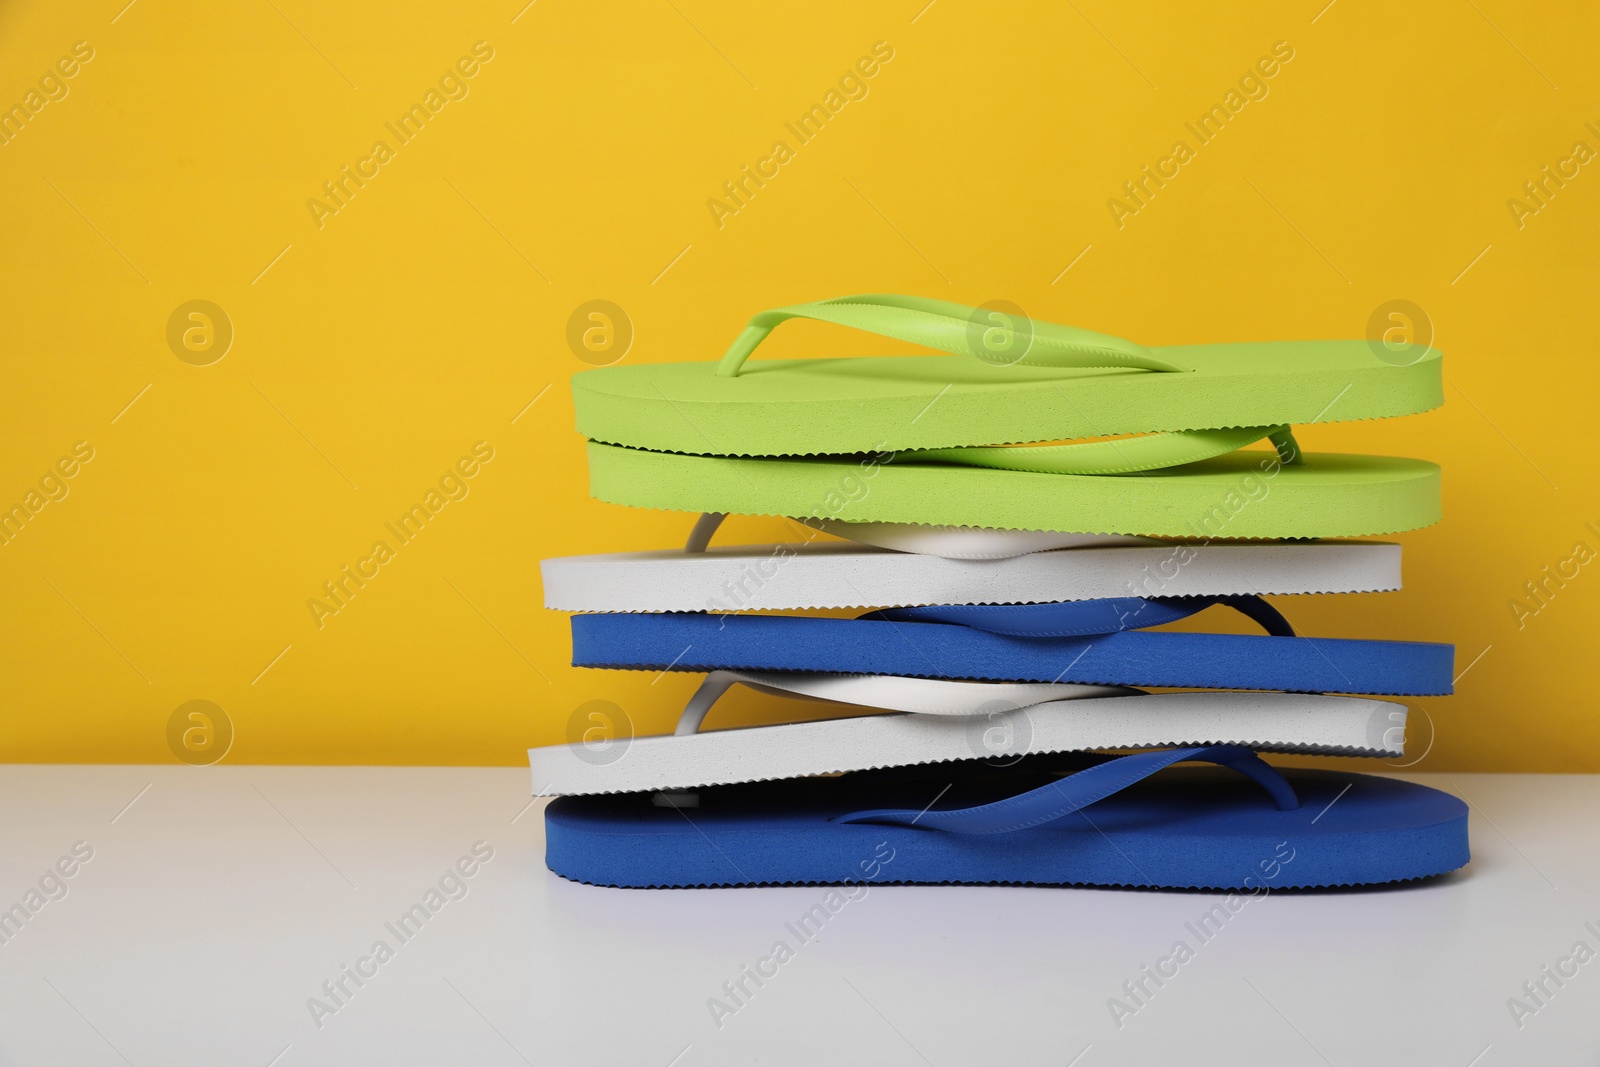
x,y
1239,495
933,439
1012,380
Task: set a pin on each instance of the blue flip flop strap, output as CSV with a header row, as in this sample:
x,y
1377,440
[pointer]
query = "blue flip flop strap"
x,y
1081,618
1079,791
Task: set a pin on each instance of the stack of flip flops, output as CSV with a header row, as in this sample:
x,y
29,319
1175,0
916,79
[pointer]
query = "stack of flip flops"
x,y
1004,590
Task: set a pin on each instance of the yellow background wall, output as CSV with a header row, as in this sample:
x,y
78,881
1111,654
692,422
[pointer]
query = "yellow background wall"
x,y
374,346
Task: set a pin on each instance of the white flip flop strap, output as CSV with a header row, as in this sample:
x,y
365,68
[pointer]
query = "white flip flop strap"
x,y
920,696
704,527
945,542
963,542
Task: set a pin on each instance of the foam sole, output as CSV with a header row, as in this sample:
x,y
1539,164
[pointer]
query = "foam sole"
x,y
1189,828
1143,658
832,575
1345,726
1243,494
841,406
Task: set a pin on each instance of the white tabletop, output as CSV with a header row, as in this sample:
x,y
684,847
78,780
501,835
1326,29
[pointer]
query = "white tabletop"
x,y
218,900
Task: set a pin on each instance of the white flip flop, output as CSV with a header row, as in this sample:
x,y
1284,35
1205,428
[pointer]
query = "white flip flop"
x,y
935,721
898,565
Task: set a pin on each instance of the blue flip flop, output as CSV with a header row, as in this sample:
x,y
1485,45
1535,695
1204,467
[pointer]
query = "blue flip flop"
x,y
1108,825
1093,642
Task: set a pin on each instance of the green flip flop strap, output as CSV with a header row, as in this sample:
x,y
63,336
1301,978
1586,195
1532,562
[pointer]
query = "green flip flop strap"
x,y
992,336
1151,452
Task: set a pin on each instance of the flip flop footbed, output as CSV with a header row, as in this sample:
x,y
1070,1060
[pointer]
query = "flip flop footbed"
x,y
833,575
1345,726
1191,828
1241,495
841,406
700,642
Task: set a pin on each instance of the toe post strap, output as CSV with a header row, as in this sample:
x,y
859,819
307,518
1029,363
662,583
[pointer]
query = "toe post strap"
x,y
994,337
1078,791
1082,618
